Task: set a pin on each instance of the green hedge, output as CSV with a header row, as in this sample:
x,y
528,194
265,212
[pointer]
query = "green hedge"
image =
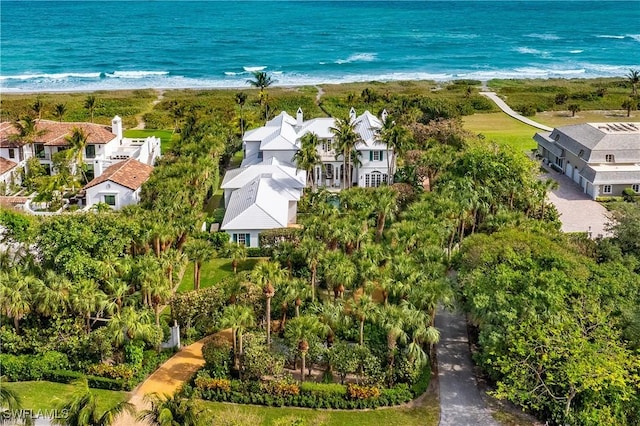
x,y
31,367
312,395
420,386
67,376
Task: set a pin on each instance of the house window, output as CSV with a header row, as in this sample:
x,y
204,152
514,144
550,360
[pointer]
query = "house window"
x,y
90,151
110,200
559,161
375,179
12,153
636,188
609,158
606,189
244,239
329,171
375,156
39,150
260,155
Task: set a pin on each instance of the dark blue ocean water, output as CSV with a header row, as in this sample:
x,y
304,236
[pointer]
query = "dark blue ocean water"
x,y
89,45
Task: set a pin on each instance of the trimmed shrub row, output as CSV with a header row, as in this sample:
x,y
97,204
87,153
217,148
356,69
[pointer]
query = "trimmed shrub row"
x,y
31,367
67,376
311,395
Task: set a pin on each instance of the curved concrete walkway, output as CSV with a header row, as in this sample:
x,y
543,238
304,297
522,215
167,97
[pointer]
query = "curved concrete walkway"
x,y
507,110
461,403
168,378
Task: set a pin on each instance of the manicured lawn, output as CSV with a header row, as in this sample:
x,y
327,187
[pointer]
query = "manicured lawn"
x,y
43,395
214,271
164,135
426,415
564,118
501,128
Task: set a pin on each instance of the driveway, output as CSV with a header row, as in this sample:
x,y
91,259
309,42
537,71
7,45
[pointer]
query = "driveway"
x,y
578,212
461,403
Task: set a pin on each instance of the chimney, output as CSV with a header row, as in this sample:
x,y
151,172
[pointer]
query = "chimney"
x,y
352,114
97,168
299,117
116,127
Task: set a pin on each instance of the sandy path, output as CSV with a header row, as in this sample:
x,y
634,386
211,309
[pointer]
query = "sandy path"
x,y
141,124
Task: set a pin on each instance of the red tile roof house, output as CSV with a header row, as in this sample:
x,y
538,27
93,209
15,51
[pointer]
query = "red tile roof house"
x,y
105,145
8,175
119,185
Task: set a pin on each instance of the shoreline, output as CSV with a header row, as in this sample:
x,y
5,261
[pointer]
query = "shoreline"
x,y
482,83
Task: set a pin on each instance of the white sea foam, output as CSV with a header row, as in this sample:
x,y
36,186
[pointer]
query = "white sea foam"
x,y
636,37
230,73
620,37
529,51
253,69
544,36
136,74
57,76
576,51
358,57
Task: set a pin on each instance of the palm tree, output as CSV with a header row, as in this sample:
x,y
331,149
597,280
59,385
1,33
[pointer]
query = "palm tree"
x,y
395,136
130,324
238,318
159,292
340,273
360,309
332,315
345,140
262,80
307,157
634,79
51,296
629,104
312,251
199,251
27,131
392,319
574,108
241,99
83,410
301,330
10,405
59,110
237,253
15,294
90,104
268,275
170,411
77,141
37,107
118,291
85,298
386,206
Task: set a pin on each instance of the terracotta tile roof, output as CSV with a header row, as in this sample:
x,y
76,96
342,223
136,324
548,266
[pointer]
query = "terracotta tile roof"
x,y
130,174
6,165
55,133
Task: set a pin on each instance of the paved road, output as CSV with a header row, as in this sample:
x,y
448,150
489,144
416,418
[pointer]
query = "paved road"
x,y
507,109
578,212
460,401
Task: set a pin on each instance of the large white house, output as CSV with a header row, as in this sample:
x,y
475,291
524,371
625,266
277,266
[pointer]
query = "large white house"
x,y
602,158
105,145
119,185
8,175
280,138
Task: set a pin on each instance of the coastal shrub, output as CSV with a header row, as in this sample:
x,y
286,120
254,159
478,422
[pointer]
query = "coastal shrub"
x,y
133,354
258,360
280,388
422,383
208,383
527,110
323,389
362,392
67,376
31,367
204,303
272,237
218,355
259,251
120,371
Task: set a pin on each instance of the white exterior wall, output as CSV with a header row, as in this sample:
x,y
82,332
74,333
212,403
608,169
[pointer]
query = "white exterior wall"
x,y
254,234
124,196
4,152
7,176
292,213
284,156
251,149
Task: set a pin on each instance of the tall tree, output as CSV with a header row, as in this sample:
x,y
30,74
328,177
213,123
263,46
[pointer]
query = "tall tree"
x,y
27,132
59,110
86,298
51,295
129,325
396,137
312,251
238,318
385,204
301,330
574,108
77,141
262,80
90,104
307,157
241,99
37,107
15,294
361,308
634,78
345,140
268,275
199,251
630,104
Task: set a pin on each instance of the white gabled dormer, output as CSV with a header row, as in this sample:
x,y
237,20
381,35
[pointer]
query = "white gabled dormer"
x,y
299,118
352,114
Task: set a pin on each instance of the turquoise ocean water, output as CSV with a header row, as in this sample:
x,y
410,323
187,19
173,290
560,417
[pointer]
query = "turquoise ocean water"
x,y
91,45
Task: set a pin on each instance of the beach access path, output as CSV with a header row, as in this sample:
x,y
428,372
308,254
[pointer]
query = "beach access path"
x,y
507,110
461,403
